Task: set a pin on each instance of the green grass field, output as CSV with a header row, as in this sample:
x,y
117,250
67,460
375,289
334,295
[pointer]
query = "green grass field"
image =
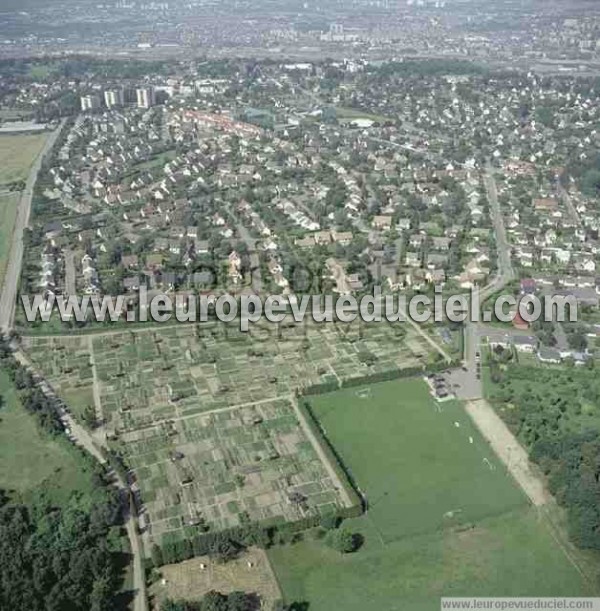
x,y
8,215
17,154
29,459
423,466
444,517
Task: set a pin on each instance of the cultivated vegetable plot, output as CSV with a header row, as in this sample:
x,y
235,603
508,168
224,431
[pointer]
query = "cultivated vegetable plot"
x,y
225,469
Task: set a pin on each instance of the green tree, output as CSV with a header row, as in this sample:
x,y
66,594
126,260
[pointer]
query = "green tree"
x,y
342,540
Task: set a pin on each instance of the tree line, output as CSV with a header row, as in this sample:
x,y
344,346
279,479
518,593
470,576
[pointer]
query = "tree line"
x,y
58,557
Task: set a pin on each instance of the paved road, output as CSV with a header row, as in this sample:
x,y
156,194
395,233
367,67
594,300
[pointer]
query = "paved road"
x,y
470,385
244,233
70,274
405,147
491,426
505,269
78,433
569,203
8,296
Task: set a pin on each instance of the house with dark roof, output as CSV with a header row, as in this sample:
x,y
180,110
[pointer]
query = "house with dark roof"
x,y
549,356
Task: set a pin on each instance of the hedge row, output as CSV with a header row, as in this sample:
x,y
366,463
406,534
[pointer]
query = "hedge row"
x,y
372,378
335,460
226,544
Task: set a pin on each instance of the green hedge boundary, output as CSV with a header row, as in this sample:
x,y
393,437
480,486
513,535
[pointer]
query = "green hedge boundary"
x,y
358,505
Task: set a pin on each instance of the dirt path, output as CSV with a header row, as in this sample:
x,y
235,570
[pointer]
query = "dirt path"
x,y
101,430
430,340
508,450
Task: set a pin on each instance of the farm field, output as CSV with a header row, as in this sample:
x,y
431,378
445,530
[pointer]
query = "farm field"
x,y
444,517
17,154
8,215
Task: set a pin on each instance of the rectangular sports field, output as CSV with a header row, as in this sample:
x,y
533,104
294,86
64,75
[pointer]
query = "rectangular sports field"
x,y
421,464
444,516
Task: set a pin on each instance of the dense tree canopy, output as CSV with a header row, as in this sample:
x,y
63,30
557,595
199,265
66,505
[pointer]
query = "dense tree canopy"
x,y
215,601
58,557
554,411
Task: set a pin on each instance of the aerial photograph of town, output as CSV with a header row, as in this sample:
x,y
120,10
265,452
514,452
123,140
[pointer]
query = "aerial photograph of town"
x,y
299,305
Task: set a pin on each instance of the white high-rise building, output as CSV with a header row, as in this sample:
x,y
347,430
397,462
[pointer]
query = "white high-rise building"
x,y
113,98
145,97
90,102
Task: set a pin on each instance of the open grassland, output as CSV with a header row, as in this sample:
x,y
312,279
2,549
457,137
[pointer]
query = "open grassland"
x,y
29,459
192,579
8,215
41,471
509,555
17,154
444,517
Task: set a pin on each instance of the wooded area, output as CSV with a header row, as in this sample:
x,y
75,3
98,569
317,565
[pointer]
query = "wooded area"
x,y
554,413
63,556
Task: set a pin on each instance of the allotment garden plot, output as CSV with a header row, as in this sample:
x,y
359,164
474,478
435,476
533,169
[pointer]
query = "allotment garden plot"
x,y
66,364
204,414
228,468
146,376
